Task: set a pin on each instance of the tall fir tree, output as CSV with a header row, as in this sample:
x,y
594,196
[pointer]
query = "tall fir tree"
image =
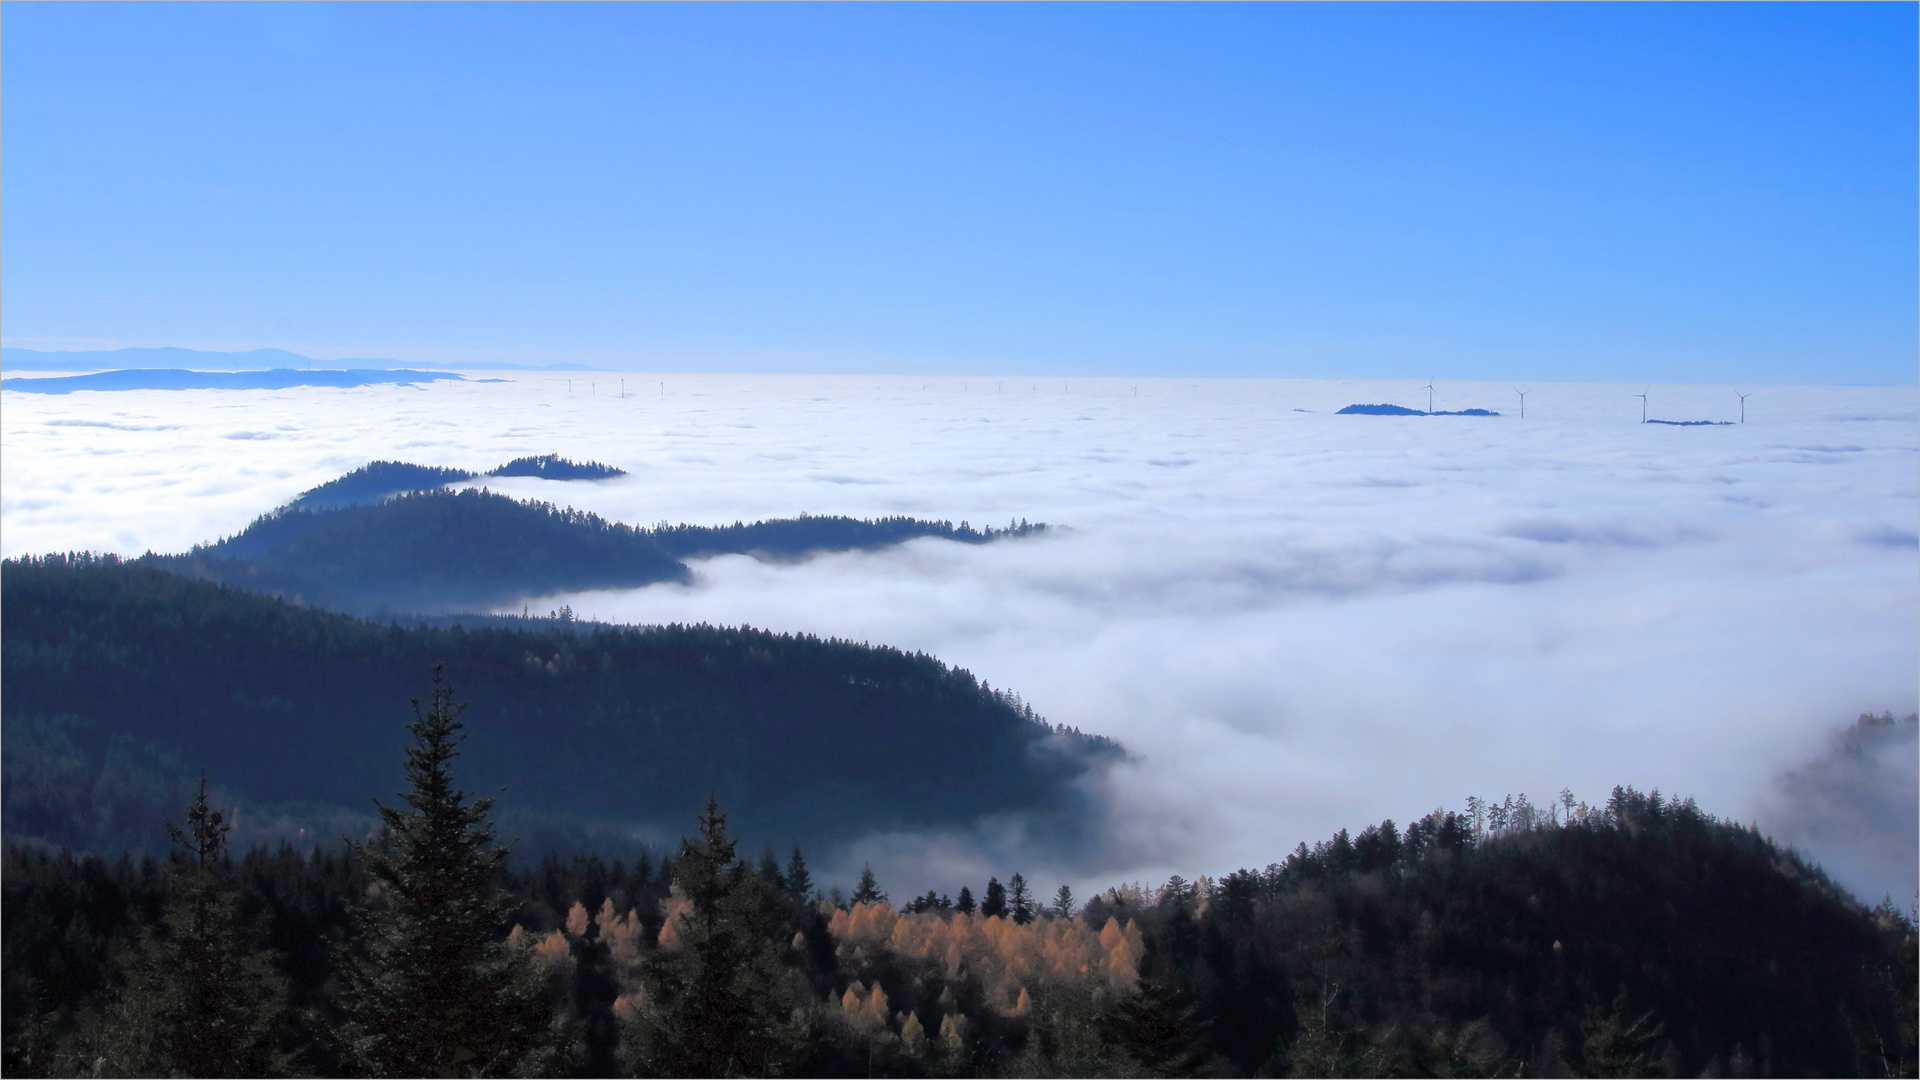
x,y
201,1000
964,905
798,881
868,891
718,999
437,989
1020,903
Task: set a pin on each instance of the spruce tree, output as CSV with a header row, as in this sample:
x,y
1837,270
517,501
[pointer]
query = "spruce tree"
x,y
868,891
200,1000
1063,903
719,1000
437,990
964,905
995,902
1019,901
799,882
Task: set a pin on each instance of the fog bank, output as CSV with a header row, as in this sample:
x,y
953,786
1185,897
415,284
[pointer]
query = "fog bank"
x,y
1297,621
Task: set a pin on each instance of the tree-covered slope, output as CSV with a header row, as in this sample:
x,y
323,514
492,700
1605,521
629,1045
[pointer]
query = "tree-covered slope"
x,y
555,467
429,551
788,538
377,481
119,679
440,551
1640,938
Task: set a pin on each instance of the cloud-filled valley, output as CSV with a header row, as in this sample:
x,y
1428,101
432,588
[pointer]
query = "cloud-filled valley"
x,y
1296,621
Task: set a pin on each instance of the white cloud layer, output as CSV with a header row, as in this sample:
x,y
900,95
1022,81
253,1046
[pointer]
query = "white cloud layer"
x,y
1297,621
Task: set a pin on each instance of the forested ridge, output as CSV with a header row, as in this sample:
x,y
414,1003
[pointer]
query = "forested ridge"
x,y
148,710
470,550
378,481
1642,937
120,682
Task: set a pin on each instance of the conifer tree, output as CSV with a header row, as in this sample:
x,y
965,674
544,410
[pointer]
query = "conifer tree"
x,y
1159,1034
438,990
1063,903
200,1000
799,882
770,870
1019,901
964,905
719,1002
868,891
995,902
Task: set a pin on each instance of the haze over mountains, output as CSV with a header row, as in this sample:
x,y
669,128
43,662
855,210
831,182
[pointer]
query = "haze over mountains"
x,y
18,359
1283,615
134,379
353,545
117,673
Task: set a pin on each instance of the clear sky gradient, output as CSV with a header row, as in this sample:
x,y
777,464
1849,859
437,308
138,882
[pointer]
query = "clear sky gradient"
x,y
1644,193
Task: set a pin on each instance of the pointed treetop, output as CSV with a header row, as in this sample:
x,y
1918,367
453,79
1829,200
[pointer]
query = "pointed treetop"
x,y
868,891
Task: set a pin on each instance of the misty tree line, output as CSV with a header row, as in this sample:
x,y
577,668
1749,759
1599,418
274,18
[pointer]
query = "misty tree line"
x,y
1639,937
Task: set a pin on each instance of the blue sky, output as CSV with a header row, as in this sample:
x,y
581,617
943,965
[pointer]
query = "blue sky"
x,y
1642,193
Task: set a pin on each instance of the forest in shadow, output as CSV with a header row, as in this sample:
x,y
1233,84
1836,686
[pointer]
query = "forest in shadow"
x,y
1641,937
389,539
121,681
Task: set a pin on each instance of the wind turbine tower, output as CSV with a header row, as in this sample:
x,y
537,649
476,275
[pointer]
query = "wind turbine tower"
x,y
1429,389
1743,403
1643,404
1523,401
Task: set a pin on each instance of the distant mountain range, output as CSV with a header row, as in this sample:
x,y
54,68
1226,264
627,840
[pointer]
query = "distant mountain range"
x,y
378,481
183,379
1401,410
17,359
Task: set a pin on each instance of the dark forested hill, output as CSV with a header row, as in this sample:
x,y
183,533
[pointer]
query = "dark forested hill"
x,y
375,482
1639,938
440,551
789,538
429,551
555,467
378,481
119,679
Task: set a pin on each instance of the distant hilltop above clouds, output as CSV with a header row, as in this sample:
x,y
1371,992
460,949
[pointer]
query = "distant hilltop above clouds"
x,y
15,359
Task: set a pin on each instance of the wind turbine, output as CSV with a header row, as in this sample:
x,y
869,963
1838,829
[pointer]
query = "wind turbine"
x,y
1429,389
1743,403
1523,401
1643,404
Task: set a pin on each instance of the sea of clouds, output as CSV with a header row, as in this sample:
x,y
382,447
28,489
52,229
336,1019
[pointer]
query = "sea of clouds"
x,y
1296,621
